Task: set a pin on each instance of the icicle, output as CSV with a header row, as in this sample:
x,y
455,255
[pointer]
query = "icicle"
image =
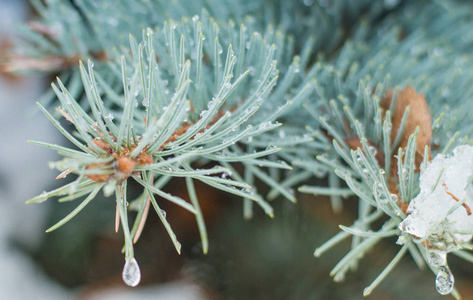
x,y
131,272
444,281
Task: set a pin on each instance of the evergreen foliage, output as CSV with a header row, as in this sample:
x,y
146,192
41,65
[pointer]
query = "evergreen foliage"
x,y
256,96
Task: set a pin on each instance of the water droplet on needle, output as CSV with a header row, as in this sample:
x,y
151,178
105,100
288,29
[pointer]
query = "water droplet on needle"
x,y
444,281
131,272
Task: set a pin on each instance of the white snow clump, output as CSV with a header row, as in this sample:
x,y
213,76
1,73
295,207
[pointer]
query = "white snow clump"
x,y
436,214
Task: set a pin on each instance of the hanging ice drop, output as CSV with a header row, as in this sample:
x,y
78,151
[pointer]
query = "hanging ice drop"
x,y
444,281
131,272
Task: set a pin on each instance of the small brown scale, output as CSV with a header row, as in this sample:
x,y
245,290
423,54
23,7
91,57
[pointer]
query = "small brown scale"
x,y
122,163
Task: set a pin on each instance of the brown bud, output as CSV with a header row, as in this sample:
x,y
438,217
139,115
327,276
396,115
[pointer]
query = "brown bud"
x,y
97,177
125,165
419,116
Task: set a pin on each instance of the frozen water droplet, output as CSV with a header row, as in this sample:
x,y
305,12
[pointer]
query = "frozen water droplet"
x,y
437,258
444,281
145,102
372,150
203,114
228,86
401,240
211,104
131,272
405,173
163,212
109,116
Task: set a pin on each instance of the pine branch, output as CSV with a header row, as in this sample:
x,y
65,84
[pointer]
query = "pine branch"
x,y
164,119
387,184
